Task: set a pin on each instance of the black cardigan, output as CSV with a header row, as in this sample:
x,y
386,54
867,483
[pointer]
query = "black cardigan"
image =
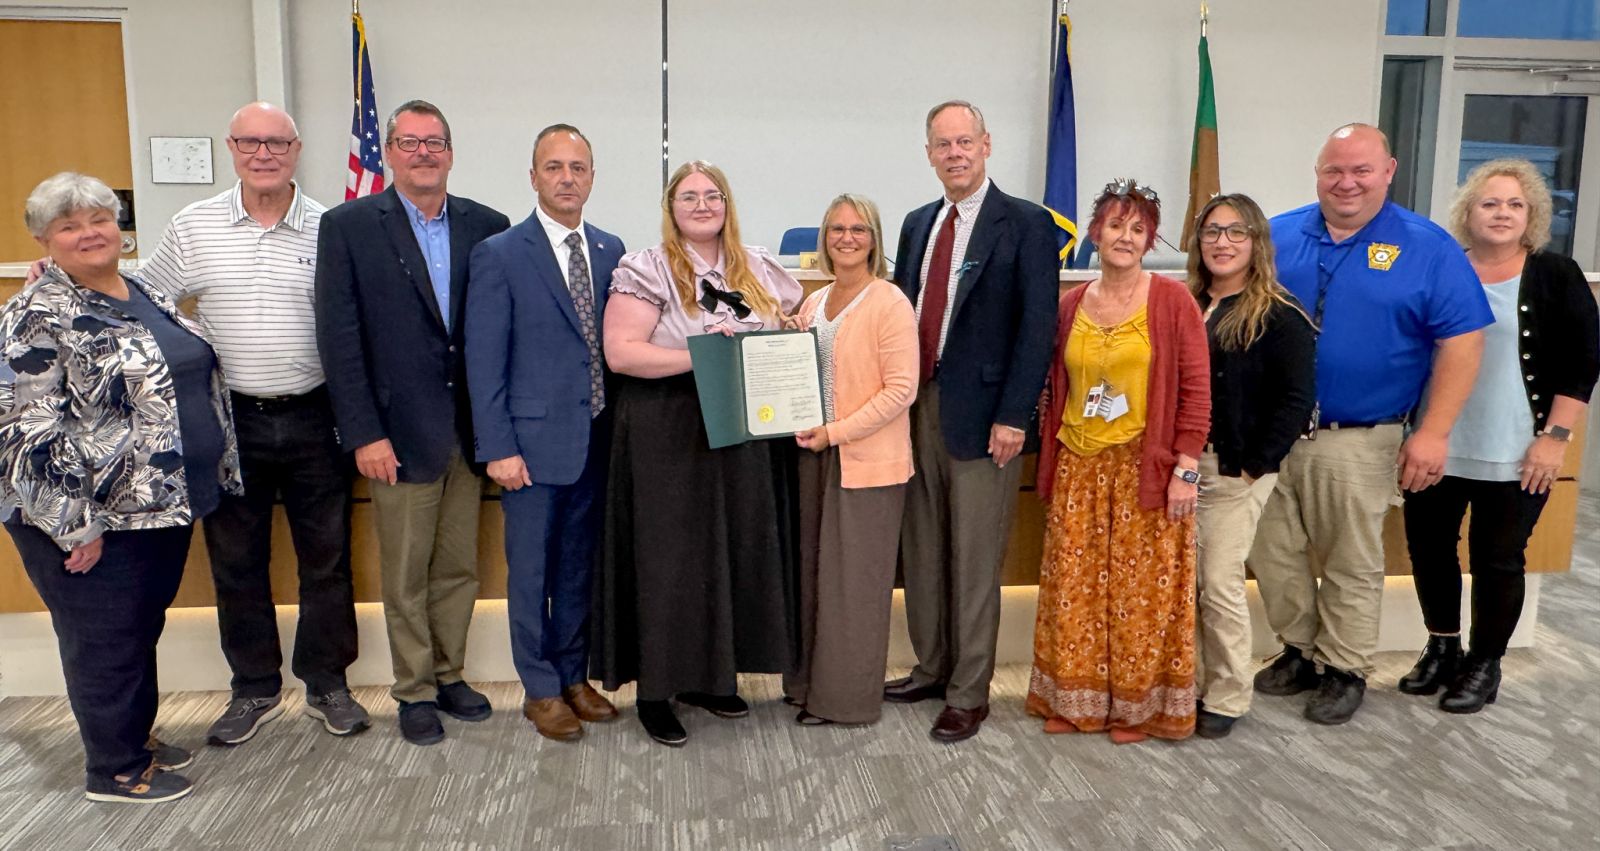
x,y
1558,328
1261,397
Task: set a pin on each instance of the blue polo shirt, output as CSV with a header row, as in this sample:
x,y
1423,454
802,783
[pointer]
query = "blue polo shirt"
x,y
1386,296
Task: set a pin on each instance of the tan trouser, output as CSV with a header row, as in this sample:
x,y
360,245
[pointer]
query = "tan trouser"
x,y
952,546
1225,526
1326,515
428,551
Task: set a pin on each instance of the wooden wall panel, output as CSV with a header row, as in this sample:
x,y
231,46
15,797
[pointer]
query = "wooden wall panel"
x,y
66,109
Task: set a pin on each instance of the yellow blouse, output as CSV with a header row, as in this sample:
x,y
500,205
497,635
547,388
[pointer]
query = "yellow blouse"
x,y
1121,356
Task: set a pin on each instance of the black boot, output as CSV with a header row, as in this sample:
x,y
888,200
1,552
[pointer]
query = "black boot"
x,y
1436,668
661,723
1477,684
1291,673
1337,698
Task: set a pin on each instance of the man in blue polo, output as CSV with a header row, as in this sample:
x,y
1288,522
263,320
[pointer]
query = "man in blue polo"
x,y
1399,311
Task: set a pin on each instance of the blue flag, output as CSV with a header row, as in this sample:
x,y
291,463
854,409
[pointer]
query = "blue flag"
x,y
1061,160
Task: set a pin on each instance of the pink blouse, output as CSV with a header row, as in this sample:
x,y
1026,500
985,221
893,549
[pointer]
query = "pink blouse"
x,y
647,275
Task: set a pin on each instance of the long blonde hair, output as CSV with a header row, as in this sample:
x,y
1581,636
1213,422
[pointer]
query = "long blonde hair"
x,y
735,267
1247,321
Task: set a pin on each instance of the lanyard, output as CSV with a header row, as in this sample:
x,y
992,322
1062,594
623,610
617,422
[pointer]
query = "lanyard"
x,y
1325,276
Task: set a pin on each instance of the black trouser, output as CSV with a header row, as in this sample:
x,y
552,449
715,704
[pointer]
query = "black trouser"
x,y
1503,516
107,622
287,446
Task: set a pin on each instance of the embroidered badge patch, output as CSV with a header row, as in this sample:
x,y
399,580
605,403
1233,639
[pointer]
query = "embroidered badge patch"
x,y
1381,256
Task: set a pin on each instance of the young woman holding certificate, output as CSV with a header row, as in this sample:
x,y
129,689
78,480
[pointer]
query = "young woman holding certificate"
x,y
852,484
699,553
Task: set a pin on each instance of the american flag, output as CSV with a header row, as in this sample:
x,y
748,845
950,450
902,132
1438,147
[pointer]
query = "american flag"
x,y
366,141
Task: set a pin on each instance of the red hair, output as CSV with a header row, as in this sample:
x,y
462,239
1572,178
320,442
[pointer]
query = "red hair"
x,y
1109,206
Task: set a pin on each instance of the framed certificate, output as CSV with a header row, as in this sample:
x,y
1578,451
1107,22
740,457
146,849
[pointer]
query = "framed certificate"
x,y
757,385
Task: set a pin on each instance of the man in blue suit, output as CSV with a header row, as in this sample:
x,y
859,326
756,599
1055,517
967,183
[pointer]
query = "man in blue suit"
x,y
981,268
537,380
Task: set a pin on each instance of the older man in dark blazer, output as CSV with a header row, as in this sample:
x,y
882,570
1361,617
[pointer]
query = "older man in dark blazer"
x,y
539,406
391,290
981,268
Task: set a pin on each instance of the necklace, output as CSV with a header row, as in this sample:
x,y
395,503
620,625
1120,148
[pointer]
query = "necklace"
x,y
1122,309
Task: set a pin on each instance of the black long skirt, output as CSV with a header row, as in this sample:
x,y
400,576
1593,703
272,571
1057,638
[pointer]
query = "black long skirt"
x,y
698,578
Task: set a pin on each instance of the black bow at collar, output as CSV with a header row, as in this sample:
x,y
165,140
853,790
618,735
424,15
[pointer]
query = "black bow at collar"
x,y
710,295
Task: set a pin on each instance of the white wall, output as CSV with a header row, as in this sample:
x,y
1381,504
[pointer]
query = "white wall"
x,y
798,101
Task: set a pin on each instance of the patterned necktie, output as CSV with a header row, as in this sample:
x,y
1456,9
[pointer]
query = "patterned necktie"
x,y
583,302
936,293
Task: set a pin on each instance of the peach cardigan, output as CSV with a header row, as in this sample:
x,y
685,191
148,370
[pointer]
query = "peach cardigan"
x,y
874,382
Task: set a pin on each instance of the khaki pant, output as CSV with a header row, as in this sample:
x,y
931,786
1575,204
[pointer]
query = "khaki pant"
x,y
1225,526
428,551
952,546
1326,515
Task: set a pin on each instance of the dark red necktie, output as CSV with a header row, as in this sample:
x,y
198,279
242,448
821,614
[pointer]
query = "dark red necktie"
x,y
935,293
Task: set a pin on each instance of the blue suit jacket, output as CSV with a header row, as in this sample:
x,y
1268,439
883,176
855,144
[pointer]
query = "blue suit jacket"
x,y
1003,325
394,368
527,360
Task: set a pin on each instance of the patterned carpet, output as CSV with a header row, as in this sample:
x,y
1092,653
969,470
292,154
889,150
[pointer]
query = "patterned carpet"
x,y
1402,775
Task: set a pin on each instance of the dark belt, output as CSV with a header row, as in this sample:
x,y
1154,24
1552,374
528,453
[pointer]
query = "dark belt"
x,y
316,395
1338,425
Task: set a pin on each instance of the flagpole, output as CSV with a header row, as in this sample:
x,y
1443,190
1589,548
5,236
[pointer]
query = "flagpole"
x,y
355,7
1205,13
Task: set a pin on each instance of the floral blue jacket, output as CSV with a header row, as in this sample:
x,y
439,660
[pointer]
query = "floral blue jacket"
x,y
89,438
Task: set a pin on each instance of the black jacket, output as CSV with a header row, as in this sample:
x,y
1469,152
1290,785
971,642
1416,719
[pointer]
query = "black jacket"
x,y
394,370
1261,397
1558,331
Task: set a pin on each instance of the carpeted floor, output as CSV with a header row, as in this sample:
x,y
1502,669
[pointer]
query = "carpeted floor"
x,y
1402,775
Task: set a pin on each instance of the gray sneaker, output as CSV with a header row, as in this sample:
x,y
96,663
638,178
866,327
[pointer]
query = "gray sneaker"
x,y
340,712
244,717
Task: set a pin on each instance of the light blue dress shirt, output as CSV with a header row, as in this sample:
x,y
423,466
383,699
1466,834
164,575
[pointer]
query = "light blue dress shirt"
x,y
433,237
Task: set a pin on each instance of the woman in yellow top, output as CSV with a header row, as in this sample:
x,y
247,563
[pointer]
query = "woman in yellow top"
x,y
1127,411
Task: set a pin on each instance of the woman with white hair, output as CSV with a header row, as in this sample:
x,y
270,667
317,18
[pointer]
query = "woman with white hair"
x,y
115,437
1540,360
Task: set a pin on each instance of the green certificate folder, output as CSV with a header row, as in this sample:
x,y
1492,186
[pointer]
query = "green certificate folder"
x,y
757,385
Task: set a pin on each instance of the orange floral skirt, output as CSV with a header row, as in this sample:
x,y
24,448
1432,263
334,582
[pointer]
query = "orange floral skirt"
x,y
1113,646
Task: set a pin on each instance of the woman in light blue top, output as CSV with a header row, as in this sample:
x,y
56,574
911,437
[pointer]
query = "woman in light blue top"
x,y
1540,360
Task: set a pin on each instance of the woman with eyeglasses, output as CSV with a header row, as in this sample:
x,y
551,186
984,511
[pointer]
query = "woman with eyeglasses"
x,y
1263,389
1540,361
853,481
1126,411
699,555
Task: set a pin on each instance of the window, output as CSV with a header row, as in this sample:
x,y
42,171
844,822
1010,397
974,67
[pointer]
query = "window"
x,y
1409,114
1570,20
1416,17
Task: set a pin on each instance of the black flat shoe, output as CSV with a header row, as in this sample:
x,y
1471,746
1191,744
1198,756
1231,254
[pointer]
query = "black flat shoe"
x,y
1210,725
806,719
661,723
1436,667
789,701
720,705
1477,685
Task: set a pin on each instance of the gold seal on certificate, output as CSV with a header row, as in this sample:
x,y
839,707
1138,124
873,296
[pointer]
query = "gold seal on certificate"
x,y
757,385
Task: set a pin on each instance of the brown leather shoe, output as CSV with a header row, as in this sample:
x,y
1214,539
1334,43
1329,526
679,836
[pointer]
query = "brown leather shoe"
x,y
904,690
553,718
589,704
954,725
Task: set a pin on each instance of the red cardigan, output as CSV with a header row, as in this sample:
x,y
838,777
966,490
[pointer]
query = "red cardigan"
x,y
1178,410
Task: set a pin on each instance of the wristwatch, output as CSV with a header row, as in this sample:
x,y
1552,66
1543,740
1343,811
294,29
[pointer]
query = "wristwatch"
x,y
1559,433
1189,476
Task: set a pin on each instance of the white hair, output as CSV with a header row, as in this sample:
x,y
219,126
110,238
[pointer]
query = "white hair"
x,y
64,194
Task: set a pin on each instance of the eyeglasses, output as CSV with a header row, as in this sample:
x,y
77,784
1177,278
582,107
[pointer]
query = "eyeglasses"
x,y
274,146
1122,187
1236,233
691,200
411,143
857,231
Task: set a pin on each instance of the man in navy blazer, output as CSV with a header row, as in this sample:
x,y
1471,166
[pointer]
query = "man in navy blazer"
x,y
981,268
391,288
537,374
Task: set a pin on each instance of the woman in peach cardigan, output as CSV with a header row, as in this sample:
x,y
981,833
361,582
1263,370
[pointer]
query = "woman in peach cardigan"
x,y
852,486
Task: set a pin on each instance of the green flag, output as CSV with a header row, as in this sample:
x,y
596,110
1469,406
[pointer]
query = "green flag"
x,y
1204,179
